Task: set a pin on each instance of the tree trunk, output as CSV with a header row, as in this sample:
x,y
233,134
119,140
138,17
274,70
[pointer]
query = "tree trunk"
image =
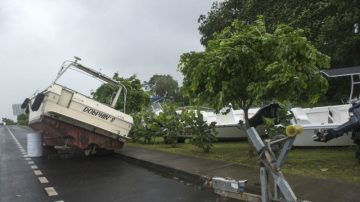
x,y
252,150
246,116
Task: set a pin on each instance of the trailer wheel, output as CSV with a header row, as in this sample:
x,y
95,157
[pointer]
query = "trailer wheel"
x,y
180,139
87,152
91,150
357,152
104,152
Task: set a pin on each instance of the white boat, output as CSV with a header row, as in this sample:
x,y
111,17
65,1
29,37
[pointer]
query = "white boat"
x,y
319,119
326,117
226,127
66,118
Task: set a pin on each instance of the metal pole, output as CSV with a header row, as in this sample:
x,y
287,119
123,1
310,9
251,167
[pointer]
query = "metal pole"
x,y
264,185
352,88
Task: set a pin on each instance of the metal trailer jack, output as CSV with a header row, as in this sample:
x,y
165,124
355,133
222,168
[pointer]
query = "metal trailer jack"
x,y
270,164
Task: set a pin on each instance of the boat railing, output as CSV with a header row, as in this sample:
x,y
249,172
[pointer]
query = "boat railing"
x,y
111,82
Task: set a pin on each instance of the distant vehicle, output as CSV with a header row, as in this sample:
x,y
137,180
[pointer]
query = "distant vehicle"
x,y
66,118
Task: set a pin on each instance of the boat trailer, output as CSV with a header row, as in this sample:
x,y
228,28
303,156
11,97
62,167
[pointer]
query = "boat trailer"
x,y
270,163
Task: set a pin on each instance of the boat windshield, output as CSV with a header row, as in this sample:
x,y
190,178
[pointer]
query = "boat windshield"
x,y
85,81
79,82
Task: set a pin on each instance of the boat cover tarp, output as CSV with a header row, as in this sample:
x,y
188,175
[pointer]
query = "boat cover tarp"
x,y
340,72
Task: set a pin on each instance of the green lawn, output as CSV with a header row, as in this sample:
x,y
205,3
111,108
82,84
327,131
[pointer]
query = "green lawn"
x,y
339,163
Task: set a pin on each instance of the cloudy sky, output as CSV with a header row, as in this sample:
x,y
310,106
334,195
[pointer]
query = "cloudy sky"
x,y
127,36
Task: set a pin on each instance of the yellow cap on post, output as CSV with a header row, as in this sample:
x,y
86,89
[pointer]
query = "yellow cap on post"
x,y
293,130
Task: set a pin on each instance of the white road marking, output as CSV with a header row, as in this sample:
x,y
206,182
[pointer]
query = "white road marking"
x,y
51,191
59,201
14,138
43,180
34,167
38,172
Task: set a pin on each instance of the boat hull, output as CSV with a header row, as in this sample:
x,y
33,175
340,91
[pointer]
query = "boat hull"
x,y
306,140
59,133
232,132
227,133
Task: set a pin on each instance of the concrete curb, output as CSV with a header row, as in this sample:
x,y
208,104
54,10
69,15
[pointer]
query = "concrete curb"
x,y
199,180
168,171
199,171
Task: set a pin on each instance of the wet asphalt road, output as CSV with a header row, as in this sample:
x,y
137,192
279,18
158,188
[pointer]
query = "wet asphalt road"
x,y
106,178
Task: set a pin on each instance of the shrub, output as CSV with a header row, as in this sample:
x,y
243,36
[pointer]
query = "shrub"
x,y
203,134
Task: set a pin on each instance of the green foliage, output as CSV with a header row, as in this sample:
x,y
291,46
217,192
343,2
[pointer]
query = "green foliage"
x,y
146,128
23,119
203,134
136,100
221,15
327,24
245,63
8,121
284,118
163,85
170,124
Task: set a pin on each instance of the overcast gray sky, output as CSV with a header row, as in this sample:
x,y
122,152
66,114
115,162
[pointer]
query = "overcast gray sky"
x,y
127,36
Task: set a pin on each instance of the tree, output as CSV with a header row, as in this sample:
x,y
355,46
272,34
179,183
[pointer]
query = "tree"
x,y
8,121
245,63
328,25
220,16
136,97
163,85
23,119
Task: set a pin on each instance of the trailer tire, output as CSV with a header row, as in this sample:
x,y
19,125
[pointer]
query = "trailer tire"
x,y
87,152
180,139
37,102
104,152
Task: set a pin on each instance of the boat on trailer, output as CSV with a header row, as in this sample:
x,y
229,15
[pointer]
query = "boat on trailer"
x,y
226,126
68,119
319,119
